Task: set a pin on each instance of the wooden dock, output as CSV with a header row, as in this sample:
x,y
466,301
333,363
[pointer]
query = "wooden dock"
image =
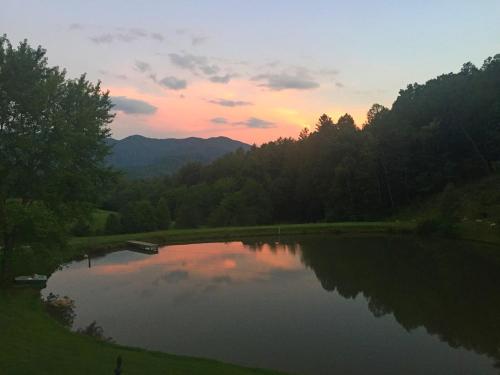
x,y
145,247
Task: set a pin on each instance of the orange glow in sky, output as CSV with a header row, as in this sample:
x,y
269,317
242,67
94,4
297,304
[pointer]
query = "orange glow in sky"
x,y
195,111
256,71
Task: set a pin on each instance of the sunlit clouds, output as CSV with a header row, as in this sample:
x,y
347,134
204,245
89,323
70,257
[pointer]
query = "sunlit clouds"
x,y
256,71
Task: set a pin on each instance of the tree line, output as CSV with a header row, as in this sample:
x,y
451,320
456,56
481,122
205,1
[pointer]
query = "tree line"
x,y
442,133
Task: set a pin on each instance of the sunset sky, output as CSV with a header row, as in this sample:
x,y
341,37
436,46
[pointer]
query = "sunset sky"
x,y
252,70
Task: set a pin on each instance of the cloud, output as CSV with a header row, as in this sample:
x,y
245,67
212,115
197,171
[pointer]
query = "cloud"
x,y
157,36
76,26
229,103
142,66
209,69
132,106
126,36
221,79
193,63
219,120
173,83
118,76
187,61
256,123
169,82
329,72
196,40
299,81
103,39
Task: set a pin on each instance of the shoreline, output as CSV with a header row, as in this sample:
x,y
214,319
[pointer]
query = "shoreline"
x,y
52,345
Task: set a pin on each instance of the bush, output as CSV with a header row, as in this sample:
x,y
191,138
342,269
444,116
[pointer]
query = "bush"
x,y
431,226
138,216
81,228
113,224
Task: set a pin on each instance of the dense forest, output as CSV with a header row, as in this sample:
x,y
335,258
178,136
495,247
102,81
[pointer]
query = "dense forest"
x,y
438,134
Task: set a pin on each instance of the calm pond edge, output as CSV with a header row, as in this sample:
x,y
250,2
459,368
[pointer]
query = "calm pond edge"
x,y
23,311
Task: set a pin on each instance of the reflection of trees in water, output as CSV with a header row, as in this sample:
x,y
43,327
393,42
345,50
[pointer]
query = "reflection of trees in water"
x,y
450,288
63,310
272,244
445,287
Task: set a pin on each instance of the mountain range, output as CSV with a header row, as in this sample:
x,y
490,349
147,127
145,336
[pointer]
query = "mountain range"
x,y
140,157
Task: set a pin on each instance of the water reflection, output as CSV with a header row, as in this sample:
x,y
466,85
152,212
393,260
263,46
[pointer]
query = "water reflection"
x,y
451,289
385,306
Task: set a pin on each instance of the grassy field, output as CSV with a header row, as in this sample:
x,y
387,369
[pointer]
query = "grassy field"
x,y
99,217
33,342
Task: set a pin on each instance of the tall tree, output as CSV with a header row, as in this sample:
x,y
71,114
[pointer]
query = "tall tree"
x,y
52,142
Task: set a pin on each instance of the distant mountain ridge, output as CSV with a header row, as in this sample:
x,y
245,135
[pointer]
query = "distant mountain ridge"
x,y
140,156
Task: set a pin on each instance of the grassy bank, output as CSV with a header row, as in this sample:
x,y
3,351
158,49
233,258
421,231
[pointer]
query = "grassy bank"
x,y
233,233
33,342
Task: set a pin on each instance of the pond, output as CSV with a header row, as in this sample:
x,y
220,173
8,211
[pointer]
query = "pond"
x,y
306,305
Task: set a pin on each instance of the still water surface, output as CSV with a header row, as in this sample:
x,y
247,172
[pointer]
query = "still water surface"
x,y
307,305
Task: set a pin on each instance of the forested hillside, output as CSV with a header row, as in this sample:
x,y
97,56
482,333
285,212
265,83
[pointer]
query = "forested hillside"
x,y
445,132
140,156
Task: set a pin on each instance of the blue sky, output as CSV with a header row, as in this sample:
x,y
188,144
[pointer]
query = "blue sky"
x,y
281,63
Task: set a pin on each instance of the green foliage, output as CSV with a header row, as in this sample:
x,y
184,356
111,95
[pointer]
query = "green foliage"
x,y
188,215
138,216
436,226
162,212
113,224
81,227
52,145
34,224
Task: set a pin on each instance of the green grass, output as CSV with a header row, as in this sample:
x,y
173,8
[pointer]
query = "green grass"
x,y
98,222
32,342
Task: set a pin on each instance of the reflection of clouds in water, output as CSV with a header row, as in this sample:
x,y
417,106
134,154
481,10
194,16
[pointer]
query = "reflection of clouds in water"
x,y
222,279
185,296
210,288
284,274
277,274
174,264
146,293
172,277
229,263
175,276
189,290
